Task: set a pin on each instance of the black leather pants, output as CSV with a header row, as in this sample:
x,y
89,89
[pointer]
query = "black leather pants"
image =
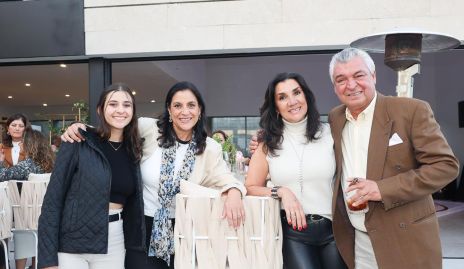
x,y
312,248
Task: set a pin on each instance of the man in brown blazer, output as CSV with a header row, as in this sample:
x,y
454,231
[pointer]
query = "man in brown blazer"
x,y
397,146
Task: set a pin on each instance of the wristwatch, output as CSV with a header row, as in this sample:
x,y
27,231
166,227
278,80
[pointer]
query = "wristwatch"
x,y
274,192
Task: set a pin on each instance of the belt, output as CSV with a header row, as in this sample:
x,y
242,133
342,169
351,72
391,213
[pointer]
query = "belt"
x,y
115,217
311,217
314,217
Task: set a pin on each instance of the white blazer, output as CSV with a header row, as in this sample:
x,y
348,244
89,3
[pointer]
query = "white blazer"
x,y
210,169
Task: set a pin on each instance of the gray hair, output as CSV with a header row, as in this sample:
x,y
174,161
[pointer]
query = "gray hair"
x,y
347,55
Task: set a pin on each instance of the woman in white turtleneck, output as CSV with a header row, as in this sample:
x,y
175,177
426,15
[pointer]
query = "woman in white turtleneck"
x,y
297,152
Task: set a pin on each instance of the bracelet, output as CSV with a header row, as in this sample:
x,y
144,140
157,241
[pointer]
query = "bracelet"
x,y
274,192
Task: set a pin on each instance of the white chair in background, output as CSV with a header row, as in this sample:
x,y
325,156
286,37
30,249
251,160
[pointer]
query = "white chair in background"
x,y
6,219
27,205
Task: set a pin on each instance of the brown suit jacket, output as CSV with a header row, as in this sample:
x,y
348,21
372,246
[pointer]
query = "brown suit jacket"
x,y
403,227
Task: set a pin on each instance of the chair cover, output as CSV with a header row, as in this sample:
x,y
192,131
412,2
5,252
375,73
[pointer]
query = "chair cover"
x,y
28,205
204,240
6,214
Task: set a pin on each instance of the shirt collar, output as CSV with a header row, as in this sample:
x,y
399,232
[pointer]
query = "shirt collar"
x,y
365,114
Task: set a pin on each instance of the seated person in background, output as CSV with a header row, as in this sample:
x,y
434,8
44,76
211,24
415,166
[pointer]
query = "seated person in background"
x,y
11,146
39,159
228,146
56,142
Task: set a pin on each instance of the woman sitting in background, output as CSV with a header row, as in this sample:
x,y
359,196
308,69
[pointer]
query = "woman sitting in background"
x,y
11,146
39,159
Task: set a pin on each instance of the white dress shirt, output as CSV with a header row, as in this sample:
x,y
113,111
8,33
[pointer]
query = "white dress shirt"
x,y
355,145
151,169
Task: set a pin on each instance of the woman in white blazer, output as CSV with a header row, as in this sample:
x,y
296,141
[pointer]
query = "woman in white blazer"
x,y
176,147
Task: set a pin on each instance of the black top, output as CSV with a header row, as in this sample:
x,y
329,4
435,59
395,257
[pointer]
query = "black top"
x,y
122,171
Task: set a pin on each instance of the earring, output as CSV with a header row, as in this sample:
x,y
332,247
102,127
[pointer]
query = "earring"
x,y
278,115
170,119
199,117
8,133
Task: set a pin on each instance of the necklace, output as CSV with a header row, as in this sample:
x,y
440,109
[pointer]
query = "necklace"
x,y
115,148
300,159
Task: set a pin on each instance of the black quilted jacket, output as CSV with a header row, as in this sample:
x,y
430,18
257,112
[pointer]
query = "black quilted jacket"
x,y
74,216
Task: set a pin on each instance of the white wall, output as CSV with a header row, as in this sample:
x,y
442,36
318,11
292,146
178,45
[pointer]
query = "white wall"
x,y
191,27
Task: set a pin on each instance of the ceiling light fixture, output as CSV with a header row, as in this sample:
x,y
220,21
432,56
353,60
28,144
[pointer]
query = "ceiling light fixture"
x,y
63,65
152,101
10,97
67,95
45,105
134,92
27,85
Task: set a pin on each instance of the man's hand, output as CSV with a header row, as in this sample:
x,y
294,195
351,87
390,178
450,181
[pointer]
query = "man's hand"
x,y
253,144
72,133
367,190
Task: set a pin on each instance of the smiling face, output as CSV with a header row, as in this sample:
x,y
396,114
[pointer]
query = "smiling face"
x,y
354,84
16,130
290,101
118,112
184,111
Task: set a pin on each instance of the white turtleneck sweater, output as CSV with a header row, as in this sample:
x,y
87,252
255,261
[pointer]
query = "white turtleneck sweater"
x,y
318,167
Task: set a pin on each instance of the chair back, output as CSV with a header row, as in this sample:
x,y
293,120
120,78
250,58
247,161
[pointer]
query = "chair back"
x,y
27,204
203,239
6,214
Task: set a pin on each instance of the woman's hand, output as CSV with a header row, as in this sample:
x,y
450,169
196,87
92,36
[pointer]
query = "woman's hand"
x,y
233,208
293,209
72,133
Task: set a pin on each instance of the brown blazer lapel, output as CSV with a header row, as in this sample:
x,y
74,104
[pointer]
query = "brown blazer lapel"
x,y
337,122
378,142
8,157
378,145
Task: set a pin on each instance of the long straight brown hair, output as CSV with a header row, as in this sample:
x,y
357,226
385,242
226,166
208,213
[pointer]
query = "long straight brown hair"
x,y
131,136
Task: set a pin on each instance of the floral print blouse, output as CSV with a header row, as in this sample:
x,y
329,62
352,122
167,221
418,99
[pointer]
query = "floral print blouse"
x,y
20,171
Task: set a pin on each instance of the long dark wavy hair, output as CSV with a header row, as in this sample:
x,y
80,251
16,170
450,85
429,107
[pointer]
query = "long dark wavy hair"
x,y
272,124
39,150
131,136
168,136
7,139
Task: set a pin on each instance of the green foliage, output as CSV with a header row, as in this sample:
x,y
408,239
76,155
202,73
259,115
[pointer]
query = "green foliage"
x,y
55,130
83,111
228,147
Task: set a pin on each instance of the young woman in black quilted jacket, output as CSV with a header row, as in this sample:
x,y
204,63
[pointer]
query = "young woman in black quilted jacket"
x,y
81,225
